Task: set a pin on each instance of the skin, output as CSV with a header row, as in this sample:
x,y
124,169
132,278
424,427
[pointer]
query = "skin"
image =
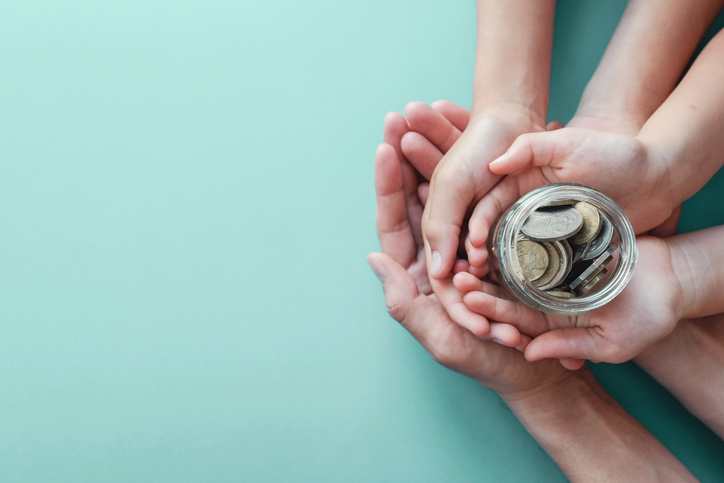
x,y
643,173
576,422
689,362
676,278
510,98
642,64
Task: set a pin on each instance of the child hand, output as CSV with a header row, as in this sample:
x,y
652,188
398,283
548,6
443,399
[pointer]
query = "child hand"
x,y
645,312
618,165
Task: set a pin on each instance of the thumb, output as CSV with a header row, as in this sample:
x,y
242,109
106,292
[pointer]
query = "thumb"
x,y
551,148
399,287
574,343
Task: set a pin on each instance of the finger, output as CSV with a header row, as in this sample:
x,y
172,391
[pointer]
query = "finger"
x,y
422,191
504,334
457,115
524,318
452,301
461,266
421,153
466,282
476,256
394,129
431,124
668,228
401,293
480,272
524,341
571,364
575,343
393,226
538,149
442,221
489,208
554,126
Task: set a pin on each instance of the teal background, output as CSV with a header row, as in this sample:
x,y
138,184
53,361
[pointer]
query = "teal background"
x,y
186,201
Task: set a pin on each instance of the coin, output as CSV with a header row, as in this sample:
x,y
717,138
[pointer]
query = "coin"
x,y
558,266
561,294
580,251
591,223
590,285
599,244
533,259
559,203
553,225
568,252
594,269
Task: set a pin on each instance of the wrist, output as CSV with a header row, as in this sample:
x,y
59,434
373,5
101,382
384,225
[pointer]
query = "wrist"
x,y
516,114
551,398
660,186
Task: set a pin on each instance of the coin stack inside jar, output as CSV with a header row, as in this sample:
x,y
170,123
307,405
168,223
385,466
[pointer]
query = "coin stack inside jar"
x,y
565,247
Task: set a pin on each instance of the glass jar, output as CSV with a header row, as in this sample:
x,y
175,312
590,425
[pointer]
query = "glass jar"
x,y
506,269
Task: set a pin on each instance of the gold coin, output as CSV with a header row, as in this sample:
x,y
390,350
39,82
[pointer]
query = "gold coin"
x,y
561,294
558,203
591,223
583,291
533,259
556,264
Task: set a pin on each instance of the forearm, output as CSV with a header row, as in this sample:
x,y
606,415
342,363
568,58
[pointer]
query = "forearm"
x,y
591,437
698,262
689,362
645,58
683,137
513,56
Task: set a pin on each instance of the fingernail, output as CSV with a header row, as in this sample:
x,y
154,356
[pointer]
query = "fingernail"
x,y
377,267
436,263
496,161
499,342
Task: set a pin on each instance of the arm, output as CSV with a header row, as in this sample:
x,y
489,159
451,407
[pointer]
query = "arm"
x,y
643,62
689,363
591,437
513,56
684,134
698,262
576,422
510,98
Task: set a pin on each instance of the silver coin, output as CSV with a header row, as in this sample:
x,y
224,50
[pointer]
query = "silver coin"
x,y
554,225
599,244
595,268
561,294
590,285
580,251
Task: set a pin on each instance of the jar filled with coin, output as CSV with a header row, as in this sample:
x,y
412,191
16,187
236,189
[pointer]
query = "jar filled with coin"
x,y
564,249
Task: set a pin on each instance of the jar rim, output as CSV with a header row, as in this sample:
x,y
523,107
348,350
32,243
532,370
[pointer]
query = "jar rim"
x,y
532,295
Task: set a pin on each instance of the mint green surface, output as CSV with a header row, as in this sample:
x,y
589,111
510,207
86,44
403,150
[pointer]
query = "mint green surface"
x,y
185,205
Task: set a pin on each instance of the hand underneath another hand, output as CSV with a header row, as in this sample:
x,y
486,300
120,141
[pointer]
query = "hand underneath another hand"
x,y
409,300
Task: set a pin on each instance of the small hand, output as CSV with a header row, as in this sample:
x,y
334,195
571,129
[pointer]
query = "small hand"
x,y
399,215
458,182
409,300
618,165
645,312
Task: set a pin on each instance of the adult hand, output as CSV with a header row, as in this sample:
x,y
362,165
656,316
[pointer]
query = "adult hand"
x,y
458,182
410,301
